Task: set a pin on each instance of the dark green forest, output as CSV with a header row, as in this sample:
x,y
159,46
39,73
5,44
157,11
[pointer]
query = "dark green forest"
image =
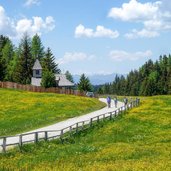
x,y
153,78
16,63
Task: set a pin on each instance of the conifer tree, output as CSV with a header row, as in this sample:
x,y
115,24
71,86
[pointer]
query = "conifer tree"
x,y
84,83
50,68
48,62
3,64
48,79
153,78
37,49
25,62
69,76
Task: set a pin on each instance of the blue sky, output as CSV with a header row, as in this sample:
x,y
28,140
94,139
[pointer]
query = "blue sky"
x,y
93,36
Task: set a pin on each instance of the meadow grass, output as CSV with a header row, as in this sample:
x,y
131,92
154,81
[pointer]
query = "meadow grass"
x,y
139,140
23,111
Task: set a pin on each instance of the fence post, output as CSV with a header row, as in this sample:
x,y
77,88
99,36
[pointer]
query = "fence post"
x,y
62,132
135,102
46,135
98,119
126,108
91,121
132,104
83,125
36,137
121,110
110,115
138,102
20,140
115,114
76,128
4,144
103,117
70,130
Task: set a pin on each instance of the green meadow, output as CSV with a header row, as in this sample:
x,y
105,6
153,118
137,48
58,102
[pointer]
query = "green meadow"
x,y
23,111
138,140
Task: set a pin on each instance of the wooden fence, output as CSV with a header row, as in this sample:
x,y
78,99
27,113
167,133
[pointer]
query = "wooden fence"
x,y
59,90
35,137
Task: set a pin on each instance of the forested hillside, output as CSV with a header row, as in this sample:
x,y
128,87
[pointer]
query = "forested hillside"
x,y
16,63
153,78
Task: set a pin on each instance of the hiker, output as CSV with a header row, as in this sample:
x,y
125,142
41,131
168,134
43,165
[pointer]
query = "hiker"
x,y
108,101
115,102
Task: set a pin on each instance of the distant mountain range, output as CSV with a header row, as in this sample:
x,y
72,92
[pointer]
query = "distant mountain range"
x,y
97,79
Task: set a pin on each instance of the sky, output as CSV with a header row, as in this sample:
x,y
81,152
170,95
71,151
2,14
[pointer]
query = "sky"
x,y
92,36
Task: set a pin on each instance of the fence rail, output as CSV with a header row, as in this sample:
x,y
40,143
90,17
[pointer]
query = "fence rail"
x,y
59,90
35,137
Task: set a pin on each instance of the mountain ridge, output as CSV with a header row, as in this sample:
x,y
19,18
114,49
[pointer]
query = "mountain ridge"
x,y
98,79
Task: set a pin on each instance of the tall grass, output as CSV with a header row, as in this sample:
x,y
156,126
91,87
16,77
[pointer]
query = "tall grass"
x,y
140,140
23,111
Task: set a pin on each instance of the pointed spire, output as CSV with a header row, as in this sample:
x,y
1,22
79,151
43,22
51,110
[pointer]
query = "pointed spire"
x,y
37,65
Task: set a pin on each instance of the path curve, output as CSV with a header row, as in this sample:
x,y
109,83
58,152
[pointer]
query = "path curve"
x,y
63,124
71,121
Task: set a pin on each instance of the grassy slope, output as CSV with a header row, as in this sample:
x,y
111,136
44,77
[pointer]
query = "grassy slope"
x,y
23,111
141,140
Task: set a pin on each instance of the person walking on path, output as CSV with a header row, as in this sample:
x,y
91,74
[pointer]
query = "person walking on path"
x,y
115,101
109,101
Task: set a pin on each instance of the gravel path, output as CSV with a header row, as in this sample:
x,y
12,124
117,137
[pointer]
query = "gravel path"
x,y
58,126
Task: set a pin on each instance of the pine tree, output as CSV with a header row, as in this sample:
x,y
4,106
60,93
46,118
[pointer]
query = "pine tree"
x,y
48,62
25,62
2,68
3,41
7,55
48,79
37,49
12,67
3,64
50,68
8,51
153,78
164,74
169,75
100,90
84,83
69,76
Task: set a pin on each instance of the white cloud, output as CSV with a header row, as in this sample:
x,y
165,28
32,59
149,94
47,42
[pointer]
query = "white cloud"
x,y
141,33
6,25
15,29
34,25
154,16
29,3
74,57
119,55
100,31
135,11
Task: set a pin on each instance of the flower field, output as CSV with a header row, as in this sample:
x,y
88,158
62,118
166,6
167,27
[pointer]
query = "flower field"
x,y
139,140
23,111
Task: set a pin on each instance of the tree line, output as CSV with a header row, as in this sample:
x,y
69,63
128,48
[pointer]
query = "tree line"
x,y
16,63
152,78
